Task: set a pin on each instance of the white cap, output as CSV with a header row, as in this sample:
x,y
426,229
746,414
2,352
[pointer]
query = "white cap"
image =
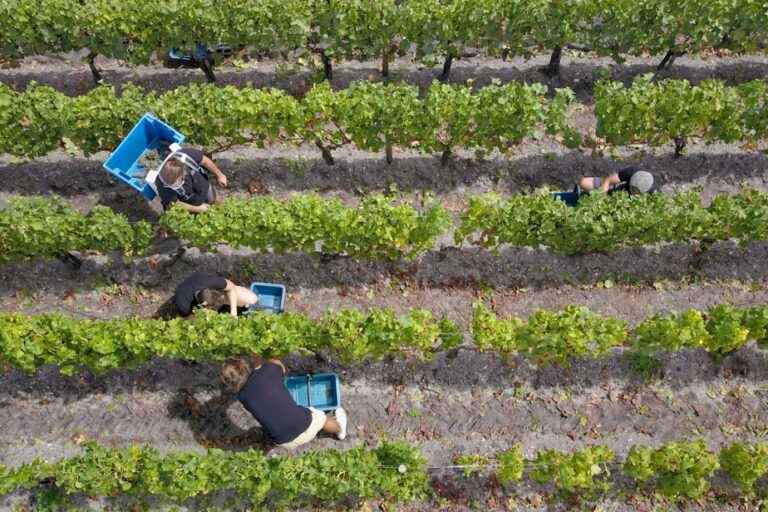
x,y
641,182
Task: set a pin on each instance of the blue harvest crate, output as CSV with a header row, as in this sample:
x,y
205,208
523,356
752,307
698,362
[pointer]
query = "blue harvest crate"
x,y
569,198
271,297
144,136
320,390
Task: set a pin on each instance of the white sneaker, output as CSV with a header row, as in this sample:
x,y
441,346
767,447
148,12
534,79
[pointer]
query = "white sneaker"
x,y
341,419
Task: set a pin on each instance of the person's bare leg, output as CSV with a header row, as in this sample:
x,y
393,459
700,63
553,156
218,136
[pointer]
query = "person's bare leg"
x,y
331,426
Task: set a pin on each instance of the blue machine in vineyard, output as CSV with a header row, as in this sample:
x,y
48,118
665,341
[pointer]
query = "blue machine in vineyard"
x,y
202,56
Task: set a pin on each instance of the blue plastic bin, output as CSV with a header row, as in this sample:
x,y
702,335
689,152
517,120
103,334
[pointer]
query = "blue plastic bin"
x,y
271,297
320,390
144,136
569,198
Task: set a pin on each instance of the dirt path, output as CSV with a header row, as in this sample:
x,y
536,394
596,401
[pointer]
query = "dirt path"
x,y
463,402
284,169
70,74
40,286
121,292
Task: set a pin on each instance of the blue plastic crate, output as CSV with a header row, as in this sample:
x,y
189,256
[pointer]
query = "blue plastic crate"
x,y
320,390
569,198
144,136
271,297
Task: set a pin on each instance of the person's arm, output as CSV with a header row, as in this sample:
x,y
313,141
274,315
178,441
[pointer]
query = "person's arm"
x,y
245,297
194,209
279,363
231,290
612,179
211,166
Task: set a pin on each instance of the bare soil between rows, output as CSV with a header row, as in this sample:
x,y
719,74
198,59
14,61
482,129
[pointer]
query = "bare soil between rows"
x,y
41,285
281,171
70,74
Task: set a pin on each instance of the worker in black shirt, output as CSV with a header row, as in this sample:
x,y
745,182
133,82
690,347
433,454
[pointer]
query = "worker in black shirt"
x,y
183,178
260,388
209,290
630,179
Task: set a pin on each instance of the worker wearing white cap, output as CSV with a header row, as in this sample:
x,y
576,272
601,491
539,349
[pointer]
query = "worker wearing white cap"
x,y
631,180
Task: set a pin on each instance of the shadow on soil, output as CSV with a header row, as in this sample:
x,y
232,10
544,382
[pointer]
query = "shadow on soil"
x,y
361,174
579,75
211,425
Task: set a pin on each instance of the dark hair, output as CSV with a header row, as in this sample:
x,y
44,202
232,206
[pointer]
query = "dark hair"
x,y
210,298
234,373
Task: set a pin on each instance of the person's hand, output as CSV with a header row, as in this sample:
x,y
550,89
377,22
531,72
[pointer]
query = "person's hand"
x,y
203,207
222,180
233,313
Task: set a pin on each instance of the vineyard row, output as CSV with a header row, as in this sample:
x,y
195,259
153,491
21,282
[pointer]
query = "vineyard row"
x,y
546,337
385,228
343,29
394,472
379,117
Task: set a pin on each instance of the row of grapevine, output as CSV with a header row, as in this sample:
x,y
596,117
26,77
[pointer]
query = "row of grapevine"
x,y
677,470
659,112
339,29
39,227
546,337
372,116
383,228
327,476
376,116
394,472
607,223
29,342
380,228
553,337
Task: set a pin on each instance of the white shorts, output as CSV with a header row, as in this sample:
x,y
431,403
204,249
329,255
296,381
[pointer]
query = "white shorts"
x,y
315,426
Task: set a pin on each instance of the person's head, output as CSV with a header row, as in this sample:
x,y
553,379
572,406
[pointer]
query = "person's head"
x,y
212,299
641,182
172,173
234,373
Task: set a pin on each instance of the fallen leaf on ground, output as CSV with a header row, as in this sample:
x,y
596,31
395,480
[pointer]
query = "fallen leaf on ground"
x,y
257,186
